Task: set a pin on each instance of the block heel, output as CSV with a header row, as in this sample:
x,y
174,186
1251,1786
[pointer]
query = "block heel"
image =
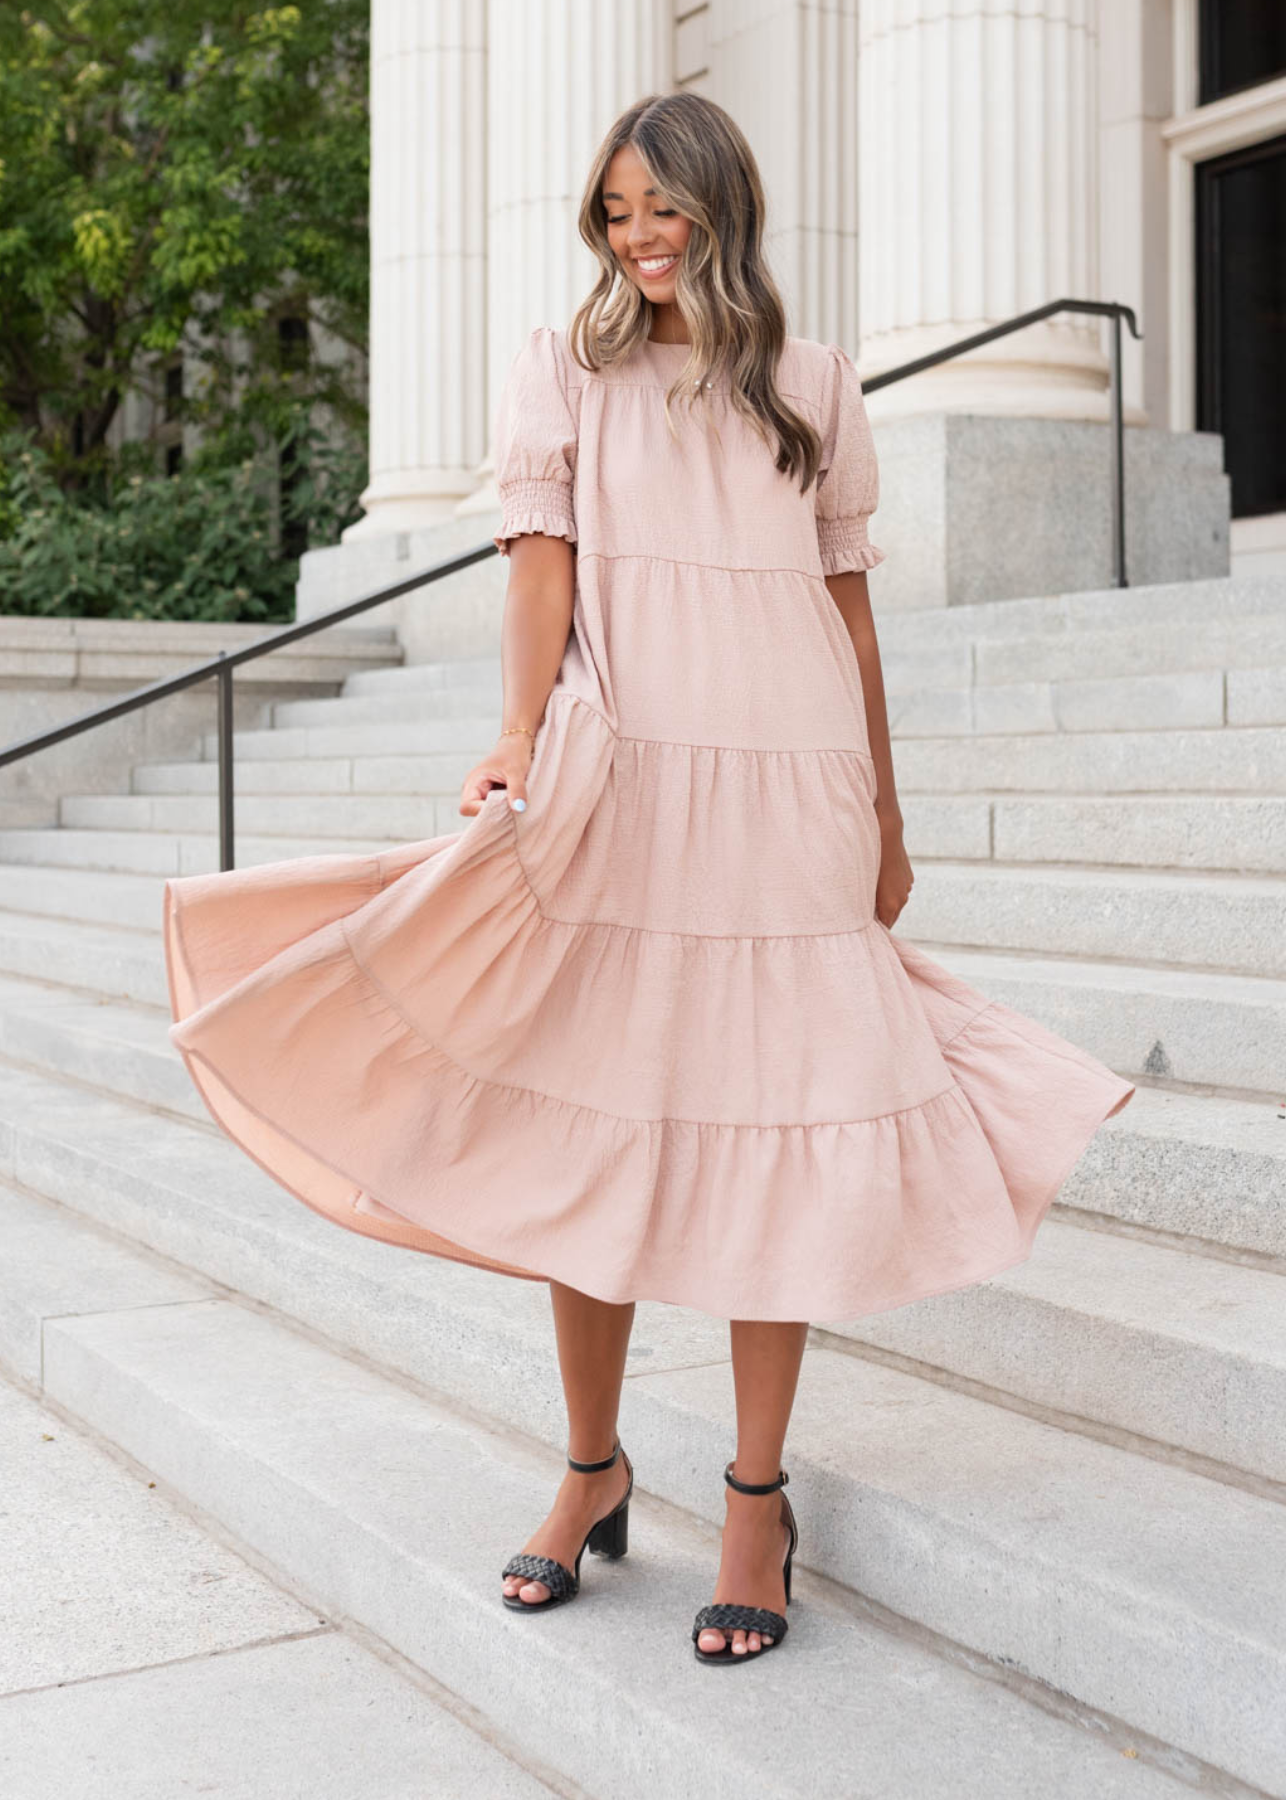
x,y
611,1536
608,1536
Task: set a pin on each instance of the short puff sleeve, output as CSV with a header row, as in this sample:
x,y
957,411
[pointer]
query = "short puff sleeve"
x,y
848,482
535,439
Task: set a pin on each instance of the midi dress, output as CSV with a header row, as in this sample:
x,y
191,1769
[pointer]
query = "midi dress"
x,y
648,1037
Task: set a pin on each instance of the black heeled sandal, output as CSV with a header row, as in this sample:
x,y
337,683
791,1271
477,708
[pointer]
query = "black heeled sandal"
x,y
726,1617
608,1536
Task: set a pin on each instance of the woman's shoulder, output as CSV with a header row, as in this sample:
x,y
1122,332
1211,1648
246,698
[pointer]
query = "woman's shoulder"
x,y
808,368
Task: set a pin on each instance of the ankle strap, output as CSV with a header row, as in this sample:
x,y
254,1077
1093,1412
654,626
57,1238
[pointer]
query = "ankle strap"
x,y
592,1468
755,1487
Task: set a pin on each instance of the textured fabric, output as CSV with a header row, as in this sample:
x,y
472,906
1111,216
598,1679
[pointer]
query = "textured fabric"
x,y
648,1037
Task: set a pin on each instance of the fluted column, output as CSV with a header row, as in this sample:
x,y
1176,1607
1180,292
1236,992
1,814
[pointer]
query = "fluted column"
x,y
558,73
428,423
979,199
787,71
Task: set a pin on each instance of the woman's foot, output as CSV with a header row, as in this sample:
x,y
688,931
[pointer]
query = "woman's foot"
x,y
756,1538
580,1502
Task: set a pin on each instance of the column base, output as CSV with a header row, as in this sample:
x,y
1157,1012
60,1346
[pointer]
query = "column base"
x,y
457,616
975,507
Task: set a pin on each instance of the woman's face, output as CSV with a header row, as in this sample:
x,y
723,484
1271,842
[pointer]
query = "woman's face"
x,y
645,233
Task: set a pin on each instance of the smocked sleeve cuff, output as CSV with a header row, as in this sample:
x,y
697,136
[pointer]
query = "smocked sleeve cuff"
x,y
844,545
544,507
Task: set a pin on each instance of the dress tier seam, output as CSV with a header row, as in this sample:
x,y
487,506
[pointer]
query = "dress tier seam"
x,y
718,937
689,562
580,1106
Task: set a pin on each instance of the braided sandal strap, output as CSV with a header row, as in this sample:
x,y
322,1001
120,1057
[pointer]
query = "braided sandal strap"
x,y
559,1580
725,1617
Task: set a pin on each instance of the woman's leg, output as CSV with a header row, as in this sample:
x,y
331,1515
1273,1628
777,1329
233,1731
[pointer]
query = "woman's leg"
x,y
766,1356
593,1337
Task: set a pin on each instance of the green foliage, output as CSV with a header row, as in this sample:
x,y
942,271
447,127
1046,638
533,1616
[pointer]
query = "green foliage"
x,y
199,544
175,174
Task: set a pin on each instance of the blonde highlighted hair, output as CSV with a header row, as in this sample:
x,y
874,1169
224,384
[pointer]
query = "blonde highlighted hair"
x,y
699,160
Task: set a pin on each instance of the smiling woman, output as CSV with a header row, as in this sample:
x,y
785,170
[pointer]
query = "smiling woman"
x,y
652,1037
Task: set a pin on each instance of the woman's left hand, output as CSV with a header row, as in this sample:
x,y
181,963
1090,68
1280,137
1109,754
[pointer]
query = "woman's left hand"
x,y
895,880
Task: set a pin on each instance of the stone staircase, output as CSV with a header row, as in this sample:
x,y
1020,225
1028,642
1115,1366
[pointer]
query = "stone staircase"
x,y
1043,1520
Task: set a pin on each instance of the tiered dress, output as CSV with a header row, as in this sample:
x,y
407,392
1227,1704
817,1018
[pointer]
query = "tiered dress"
x,y
648,1037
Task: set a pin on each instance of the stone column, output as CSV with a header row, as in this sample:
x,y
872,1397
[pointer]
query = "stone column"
x,y
559,72
979,200
787,71
428,273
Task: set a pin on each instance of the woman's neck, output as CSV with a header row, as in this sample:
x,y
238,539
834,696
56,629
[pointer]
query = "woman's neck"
x,y
668,326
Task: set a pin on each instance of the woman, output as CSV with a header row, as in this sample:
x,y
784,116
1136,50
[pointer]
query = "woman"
x,y
641,1029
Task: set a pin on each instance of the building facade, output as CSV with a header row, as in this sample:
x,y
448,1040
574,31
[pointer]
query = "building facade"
x,y
932,167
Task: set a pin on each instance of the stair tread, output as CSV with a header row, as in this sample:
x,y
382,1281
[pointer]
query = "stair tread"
x,y
386,1504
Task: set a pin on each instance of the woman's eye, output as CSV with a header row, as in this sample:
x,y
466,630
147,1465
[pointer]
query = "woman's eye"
x,y
668,213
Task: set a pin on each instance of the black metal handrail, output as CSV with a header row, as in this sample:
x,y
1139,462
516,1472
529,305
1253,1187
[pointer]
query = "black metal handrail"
x,y
1103,309
222,666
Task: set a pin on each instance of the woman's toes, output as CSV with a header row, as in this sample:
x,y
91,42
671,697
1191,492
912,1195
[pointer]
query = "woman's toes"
x,y
738,1643
711,1639
533,1591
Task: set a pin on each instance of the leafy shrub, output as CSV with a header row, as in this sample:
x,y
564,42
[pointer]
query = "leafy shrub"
x,y
199,544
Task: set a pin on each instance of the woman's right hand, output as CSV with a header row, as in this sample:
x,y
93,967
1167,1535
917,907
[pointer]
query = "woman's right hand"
x,y
505,767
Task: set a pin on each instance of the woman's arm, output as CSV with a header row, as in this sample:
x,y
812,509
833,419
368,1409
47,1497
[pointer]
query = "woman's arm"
x,y
850,594
537,619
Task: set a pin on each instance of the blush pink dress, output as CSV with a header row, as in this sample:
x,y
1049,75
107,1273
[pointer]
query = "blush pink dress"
x,y
647,1038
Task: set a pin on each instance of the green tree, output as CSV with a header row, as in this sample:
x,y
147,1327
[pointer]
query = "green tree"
x,y
176,174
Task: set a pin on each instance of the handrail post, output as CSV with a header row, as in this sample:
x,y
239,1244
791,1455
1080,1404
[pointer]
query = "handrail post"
x,y
225,766
1118,456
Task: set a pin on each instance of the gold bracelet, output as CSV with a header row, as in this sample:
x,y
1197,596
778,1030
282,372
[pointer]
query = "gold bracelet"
x,y
511,728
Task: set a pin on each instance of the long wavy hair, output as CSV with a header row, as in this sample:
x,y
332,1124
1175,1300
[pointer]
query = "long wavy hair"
x,y
698,158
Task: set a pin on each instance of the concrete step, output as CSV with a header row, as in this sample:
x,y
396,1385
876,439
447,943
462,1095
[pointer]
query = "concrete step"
x,y
1194,698
1172,1025
400,737
433,677
118,1046
1164,608
1210,1168
1161,1342
464,702
1209,921
1255,641
102,959
129,1628
1113,1578
1214,762
382,1505
1245,833
343,818
441,772
161,853
1163,701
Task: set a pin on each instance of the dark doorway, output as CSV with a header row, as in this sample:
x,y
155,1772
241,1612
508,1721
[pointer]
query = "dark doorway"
x,y
1241,319
1243,42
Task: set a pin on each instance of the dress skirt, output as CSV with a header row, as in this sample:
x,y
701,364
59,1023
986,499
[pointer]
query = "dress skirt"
x,y
647,1038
